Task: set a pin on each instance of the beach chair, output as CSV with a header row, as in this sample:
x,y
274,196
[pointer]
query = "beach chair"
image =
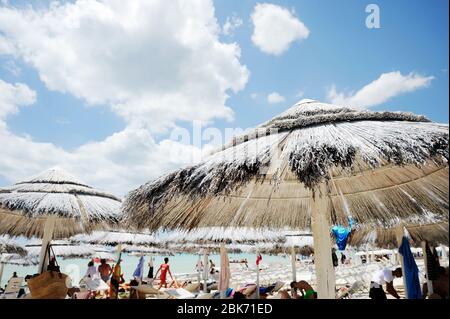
x,y
205,296
179,293
150,292
13,288
94,284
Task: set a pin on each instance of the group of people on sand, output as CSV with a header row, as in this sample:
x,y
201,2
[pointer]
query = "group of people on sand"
x,y
299,289
113,275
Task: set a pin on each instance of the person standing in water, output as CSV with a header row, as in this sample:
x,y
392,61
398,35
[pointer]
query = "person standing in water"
x,y
164,268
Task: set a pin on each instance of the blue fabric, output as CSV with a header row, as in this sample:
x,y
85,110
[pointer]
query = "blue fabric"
x,y
342,233
411,272
138,273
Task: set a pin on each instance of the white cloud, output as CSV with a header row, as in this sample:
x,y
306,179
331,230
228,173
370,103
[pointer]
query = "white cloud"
x,y
12,67
387,86
231,24
275,97
253,96
155,62
276,28
12,96
118,164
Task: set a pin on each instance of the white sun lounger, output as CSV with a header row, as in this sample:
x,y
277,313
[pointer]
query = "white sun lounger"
x,y
150,292
179,293
13,288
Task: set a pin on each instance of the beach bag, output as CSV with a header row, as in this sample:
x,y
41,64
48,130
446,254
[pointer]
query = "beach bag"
x,y
49,284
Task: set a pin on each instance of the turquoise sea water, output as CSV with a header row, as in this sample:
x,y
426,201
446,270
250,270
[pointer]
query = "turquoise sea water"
x,y
180,263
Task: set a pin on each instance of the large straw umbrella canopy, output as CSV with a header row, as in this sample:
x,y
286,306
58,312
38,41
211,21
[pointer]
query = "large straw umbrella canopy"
x,y
55,204
295,170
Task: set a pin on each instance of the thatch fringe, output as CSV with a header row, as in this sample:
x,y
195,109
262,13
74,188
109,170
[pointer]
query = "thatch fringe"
x,y
15,224
435,234
385,198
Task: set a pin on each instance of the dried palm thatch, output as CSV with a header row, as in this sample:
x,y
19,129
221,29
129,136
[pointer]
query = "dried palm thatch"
x,y
115,237
216,235
8,246
18,260
302,243
196,248
306,250
62,248
435,234
78,208
383,168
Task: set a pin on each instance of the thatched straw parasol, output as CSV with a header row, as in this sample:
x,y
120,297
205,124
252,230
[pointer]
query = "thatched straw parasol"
x,y
217,235
16,260
309,167
62,248
8,246
115,237
54,204
10,251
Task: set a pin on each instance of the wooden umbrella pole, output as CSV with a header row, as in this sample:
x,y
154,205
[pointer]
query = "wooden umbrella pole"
x,y
222,291
199,272
325,275
49,226
399,233
294,266
205,271
427,271
444,255
1,270
257,276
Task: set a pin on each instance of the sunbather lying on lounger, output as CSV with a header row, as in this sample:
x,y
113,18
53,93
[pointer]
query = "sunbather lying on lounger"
x,y
307,292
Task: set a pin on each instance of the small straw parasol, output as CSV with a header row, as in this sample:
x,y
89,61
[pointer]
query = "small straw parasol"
x,y
62,248
116,237
55,204
9,246
10,253
310,167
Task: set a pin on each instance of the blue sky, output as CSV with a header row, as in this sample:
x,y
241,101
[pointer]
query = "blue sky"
x,y
69,112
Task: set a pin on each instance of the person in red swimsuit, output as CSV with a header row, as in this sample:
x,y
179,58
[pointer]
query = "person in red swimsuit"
x,y
164,268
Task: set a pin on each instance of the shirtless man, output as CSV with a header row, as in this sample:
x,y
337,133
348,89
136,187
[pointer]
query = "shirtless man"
x,y
164,268
105,270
